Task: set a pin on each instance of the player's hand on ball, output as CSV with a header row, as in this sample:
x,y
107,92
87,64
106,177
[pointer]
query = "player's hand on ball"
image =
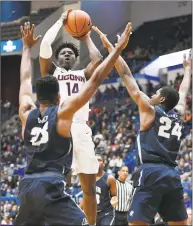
x,y
102,36
27,34
82,38
124,38
64,16
114,201
188,62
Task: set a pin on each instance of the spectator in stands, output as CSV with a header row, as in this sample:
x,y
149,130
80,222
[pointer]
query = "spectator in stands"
x,y
187,200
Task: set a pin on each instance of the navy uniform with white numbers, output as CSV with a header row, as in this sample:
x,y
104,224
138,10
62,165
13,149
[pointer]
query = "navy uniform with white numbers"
x,y
43,185
105,211
157,183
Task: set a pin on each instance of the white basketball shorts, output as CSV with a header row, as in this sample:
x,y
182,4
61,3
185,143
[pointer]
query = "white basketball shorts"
x,y
84,159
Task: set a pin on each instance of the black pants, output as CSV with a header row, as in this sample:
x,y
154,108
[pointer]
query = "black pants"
x,y
121,218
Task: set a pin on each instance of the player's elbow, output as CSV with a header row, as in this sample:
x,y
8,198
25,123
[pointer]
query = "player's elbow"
x,y
45,50
99,59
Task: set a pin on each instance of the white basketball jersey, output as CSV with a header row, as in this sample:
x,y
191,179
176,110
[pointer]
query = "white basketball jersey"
x,y
70,83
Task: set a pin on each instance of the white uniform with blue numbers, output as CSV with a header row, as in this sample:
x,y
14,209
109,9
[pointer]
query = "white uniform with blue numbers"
x,y
84,160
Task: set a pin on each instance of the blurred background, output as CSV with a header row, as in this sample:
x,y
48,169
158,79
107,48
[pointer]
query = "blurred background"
x,y
162,33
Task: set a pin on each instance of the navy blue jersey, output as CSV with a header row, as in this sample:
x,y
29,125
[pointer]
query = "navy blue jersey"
x,y
103,194
161,143
46,149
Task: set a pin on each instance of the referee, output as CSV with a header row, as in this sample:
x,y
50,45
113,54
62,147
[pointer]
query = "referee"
x,y
124,192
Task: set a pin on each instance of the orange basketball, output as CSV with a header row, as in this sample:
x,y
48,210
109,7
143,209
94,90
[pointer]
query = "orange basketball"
x,y
78,23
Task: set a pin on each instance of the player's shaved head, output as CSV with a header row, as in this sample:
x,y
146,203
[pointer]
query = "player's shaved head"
x,y
47,89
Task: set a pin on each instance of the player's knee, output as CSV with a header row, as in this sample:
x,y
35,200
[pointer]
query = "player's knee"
x,y
88,184
89,190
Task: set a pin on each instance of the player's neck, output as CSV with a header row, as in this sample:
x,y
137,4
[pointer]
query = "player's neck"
x,y
43,107
99,175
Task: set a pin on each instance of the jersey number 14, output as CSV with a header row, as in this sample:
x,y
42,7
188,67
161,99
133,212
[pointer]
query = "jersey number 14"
x,y
166,126
72,89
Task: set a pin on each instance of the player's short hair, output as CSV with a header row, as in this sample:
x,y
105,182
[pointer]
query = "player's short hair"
x,y
171,95
47,89
67,45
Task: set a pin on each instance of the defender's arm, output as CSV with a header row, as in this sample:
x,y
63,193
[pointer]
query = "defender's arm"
x,y
140,98
185,85
71,105
25,93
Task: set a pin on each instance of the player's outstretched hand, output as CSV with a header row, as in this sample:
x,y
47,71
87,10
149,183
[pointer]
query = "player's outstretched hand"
x,y
103,37
188,62
124,38
64,16
27,34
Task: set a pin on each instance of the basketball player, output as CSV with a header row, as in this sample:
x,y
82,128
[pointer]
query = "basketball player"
x,y
71,82
106,195
157,187
47,136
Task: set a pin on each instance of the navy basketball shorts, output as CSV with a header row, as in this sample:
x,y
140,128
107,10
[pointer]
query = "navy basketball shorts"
x,y
105,218
157,189
43,201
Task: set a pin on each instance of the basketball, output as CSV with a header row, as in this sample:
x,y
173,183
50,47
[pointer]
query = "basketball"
x,y
78,23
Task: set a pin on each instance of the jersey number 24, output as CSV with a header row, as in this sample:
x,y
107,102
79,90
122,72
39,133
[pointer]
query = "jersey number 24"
x,y
166,126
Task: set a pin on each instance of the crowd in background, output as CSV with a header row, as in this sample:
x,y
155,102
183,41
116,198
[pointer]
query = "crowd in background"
x,y
114,133
114,126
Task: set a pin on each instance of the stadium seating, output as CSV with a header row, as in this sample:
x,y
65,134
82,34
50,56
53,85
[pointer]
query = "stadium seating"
x,y
11,30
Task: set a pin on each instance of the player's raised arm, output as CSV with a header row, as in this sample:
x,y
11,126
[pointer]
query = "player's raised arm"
x,y
185,85
74,103
25,93
46,64
140,98
95,56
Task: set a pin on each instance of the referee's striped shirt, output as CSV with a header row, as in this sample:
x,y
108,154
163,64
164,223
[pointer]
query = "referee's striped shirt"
x,y
124,192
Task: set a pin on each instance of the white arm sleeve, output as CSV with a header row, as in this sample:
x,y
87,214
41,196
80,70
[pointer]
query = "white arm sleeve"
x,y
49,37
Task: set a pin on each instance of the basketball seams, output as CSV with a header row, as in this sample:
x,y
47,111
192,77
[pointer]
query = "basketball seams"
x,y
69,27
75,22
83,24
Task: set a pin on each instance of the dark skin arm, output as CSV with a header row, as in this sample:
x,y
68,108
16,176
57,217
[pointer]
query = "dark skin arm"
x,y
95,56
147,112
185,85
74,103
25,94
47,66
112,184
113,190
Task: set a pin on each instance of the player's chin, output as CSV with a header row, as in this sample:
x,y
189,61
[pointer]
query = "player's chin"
x,y
66,64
